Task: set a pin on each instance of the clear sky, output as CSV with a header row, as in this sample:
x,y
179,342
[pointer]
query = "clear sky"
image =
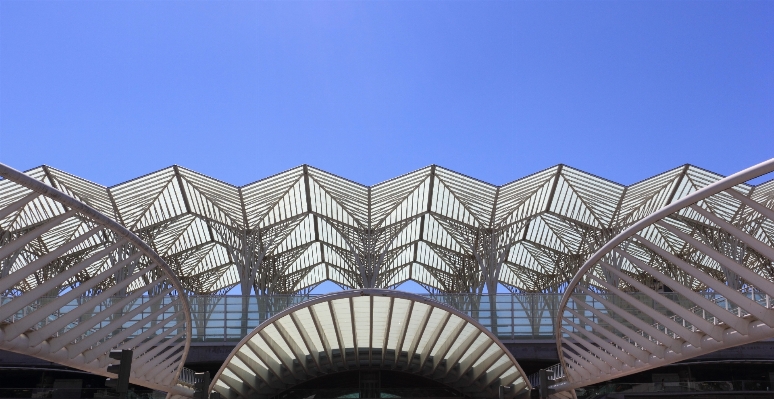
x,y
371,90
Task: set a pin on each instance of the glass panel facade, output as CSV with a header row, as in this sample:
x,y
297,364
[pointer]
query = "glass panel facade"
x,y
521,316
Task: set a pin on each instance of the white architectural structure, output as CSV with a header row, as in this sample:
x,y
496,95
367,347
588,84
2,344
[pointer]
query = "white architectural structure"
x,y
691,278
287,233
675,266
75,285
369,329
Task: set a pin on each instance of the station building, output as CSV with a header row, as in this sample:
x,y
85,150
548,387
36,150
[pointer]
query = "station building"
x,y
649,289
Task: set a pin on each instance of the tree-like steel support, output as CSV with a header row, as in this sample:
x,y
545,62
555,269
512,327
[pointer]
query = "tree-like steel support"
x,y
448,232
75,285
692,278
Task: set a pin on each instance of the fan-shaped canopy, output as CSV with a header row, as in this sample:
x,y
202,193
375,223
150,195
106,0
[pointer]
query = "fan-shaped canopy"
x,y
692,278
75,285
369,329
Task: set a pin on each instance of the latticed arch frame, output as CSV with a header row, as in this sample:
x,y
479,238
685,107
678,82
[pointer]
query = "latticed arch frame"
x,y
75,285
691,278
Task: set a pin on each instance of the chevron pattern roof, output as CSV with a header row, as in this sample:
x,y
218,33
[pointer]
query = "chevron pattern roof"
x,y
451,233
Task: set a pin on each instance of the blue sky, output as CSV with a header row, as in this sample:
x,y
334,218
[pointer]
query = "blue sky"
x,y
371,90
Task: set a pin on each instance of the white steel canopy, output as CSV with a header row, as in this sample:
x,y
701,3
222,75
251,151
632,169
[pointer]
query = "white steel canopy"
x,y
369,329
451,233
692,278
75,285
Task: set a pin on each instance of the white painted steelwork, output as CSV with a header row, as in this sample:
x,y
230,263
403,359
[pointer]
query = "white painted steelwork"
x,y
451,233
635,304
371,329
75,285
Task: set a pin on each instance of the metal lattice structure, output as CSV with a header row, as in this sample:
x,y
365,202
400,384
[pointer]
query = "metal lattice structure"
x,y
75,285
372,329
451,233
694,277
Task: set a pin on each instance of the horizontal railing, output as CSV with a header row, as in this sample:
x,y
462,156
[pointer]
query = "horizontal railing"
x,y
229,317
169,303
555,374
509,316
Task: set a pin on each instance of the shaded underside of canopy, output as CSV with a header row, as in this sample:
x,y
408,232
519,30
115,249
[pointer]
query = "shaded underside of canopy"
x,y
369,329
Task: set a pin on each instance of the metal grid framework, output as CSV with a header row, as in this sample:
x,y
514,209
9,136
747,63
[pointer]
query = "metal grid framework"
x,y
75,285
694,277
370,328
450,233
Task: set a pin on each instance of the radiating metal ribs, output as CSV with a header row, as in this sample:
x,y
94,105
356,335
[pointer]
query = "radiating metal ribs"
x,y
708,285
76,285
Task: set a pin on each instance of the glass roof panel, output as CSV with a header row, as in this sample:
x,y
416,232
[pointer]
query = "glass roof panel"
x,y
385,196
260,197
437,221
478,196
83,190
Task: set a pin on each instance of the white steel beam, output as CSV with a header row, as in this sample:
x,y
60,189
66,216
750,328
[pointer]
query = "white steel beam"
x,y
614,322
86,290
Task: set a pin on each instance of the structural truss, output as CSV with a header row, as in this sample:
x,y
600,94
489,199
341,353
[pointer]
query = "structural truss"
x,y
672,267
692,278
450,233
75,285
372,329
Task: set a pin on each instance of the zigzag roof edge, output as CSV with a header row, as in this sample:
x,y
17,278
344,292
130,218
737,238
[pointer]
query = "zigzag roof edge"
x,y
382,182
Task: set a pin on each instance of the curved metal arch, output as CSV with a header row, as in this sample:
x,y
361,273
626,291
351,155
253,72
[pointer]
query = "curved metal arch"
x,y
76,285
373,328
687,280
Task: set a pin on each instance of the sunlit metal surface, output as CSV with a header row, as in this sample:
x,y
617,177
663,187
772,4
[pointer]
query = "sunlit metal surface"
x,y
74,285
371,328
634,305
449,232
286,234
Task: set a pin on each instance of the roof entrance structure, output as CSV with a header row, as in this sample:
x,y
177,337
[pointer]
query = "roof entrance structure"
x,y
371,330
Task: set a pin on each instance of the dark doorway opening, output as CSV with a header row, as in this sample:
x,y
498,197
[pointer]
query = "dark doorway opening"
x,y
370,383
